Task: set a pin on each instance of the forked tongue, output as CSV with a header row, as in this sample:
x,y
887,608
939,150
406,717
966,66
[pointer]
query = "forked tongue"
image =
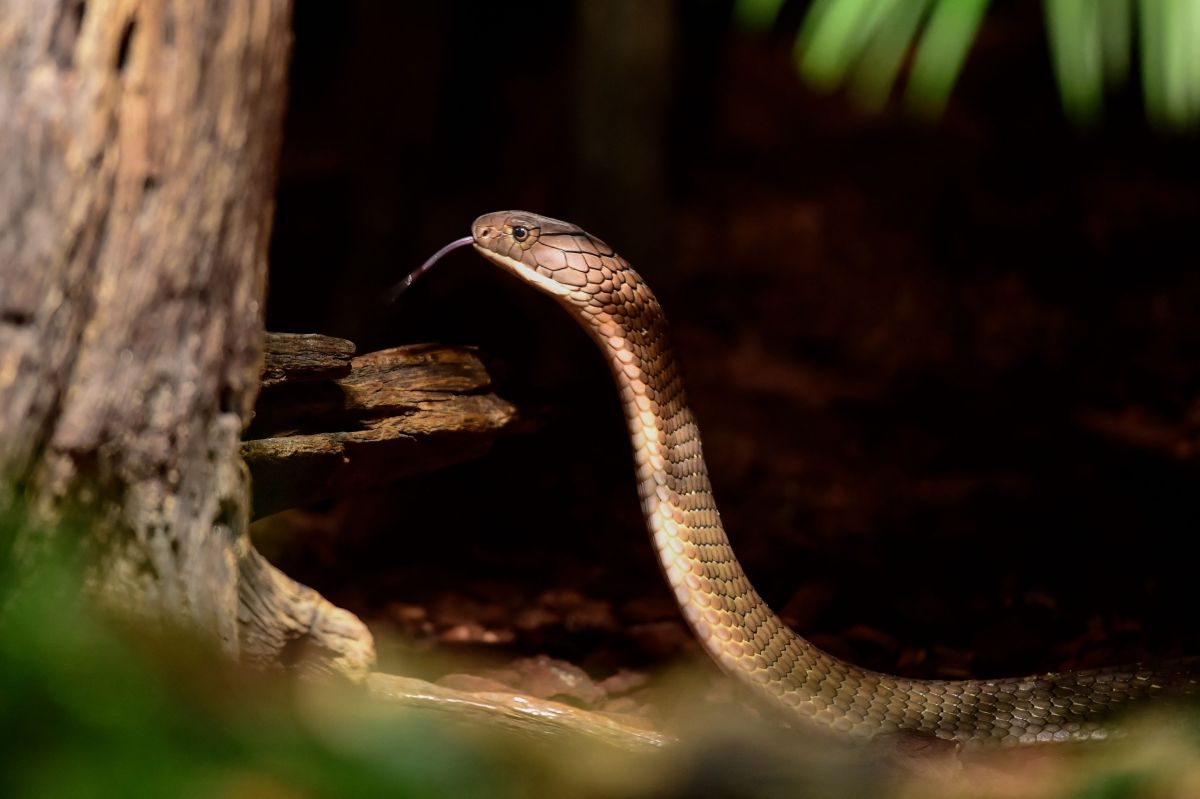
x,y
403,285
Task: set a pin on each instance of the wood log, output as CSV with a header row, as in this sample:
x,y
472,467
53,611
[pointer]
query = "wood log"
x,y
376,418
138,150
516,712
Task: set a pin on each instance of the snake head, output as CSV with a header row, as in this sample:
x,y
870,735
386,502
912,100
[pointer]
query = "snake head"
x,y
557,257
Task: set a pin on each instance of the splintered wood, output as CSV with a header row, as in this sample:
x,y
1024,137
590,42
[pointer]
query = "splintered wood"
x,y
327,424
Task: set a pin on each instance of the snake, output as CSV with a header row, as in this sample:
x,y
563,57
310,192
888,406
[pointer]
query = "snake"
x,y
732,623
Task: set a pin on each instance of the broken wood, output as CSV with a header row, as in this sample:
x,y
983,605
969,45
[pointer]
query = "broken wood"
x,y
296,357
327,425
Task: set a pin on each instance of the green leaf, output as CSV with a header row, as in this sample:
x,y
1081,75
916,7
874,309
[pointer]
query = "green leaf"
x,y
942,52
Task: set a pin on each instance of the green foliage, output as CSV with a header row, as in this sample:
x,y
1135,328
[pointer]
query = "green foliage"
x,y
95,709
757,14
1114,785
864,45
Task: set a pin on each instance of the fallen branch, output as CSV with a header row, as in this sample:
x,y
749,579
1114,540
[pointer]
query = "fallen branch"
x,y
521,713
327,425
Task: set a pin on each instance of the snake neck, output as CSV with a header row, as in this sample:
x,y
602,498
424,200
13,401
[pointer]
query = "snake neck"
x,y
731,621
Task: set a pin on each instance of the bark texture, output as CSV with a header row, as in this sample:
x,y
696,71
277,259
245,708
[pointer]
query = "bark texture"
x,y
327,425
138,148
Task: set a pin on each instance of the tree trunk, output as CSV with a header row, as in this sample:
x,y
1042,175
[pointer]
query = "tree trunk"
x,y
138,149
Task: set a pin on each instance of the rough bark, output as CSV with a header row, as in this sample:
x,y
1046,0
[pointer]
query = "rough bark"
x,y
138,148
301,358
327,425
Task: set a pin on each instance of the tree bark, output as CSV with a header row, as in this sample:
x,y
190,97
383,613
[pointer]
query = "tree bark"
x,y
138,149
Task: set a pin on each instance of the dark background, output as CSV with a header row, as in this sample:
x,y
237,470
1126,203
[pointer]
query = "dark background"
x,y
946,373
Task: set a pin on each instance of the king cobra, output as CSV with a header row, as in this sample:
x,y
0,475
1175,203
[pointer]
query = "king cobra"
x,y
746,638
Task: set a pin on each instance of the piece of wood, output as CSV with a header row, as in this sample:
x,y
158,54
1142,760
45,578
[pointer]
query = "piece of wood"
x,y
395,413
296,357
138,150
517,712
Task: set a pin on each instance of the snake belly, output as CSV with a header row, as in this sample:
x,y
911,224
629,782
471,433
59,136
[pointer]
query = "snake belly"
x,y
732,622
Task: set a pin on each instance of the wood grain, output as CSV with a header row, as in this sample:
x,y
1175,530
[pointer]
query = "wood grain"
x,y
395,413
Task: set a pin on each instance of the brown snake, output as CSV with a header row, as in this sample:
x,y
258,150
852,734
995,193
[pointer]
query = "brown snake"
x,y
615,306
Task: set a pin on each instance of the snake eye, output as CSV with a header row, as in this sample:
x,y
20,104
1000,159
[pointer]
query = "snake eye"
x,y
520,233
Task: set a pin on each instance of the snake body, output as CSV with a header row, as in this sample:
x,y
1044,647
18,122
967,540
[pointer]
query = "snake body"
x,y
732,622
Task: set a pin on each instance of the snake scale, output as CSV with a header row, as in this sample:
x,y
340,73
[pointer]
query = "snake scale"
x,y
736,628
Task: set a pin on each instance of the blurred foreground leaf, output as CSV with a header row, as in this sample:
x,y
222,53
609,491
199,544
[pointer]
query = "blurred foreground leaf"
x,y
95,708
92,708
